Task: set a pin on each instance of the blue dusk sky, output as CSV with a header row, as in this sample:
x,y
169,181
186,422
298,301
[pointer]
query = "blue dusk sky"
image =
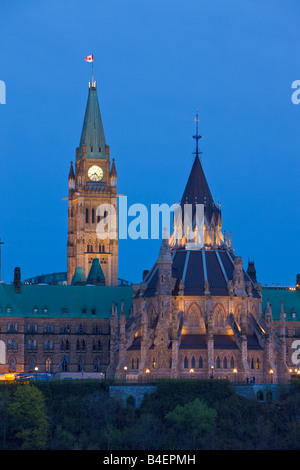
x,y
156,62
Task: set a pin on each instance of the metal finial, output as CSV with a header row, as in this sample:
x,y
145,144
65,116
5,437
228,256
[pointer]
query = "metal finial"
x,y
197,137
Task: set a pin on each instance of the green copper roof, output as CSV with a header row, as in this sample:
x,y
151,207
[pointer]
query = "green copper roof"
x,y
96,275
79,277
92,132
290,298
63,301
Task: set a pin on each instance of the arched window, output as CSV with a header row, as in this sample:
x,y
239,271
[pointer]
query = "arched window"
x,y
97,365
81,365
231,363
31,365
218,365
86,216
34,344
200,362
186,363
45,345
48,364
64,366
153,363
93,215
12,365
219,317
99,345
257,363
9,344
193,363
225,363
132,363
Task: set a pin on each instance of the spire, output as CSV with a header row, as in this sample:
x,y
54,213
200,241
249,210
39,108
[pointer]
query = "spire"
x,y
92,141
197,190
71,172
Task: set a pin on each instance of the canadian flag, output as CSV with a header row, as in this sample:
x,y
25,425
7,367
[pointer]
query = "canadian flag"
x,y
89,58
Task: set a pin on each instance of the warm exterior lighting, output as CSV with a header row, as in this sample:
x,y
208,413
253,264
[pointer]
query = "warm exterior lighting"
x,y
147,371
125,368
234,371
191,371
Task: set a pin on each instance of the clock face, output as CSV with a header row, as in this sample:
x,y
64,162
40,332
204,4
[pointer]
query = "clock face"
x,y
95,173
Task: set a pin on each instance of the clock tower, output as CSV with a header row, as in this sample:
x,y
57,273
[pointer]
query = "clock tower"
x,y
92,183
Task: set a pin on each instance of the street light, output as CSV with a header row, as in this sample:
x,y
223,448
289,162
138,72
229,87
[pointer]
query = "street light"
x,y
235,374
212,372
125,371
271,373
36,371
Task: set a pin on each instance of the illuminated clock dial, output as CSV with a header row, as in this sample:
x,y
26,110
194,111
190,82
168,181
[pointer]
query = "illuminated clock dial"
x,y
95,173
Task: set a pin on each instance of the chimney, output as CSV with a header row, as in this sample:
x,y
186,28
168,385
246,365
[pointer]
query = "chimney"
x,y
17,279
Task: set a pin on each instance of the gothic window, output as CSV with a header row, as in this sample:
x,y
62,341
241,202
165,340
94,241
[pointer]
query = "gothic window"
x,y
99,345
29,344
153,363
225,363
64,366
48,364
218,364
81,365
97,365
67,345
86,216
200,362
194,316
31,365
93,215
51,344
45,345
232,363
12,365
62,345
186,363
252,363
9,344
132,364
257,363
193,363
219,317
83,345
34,344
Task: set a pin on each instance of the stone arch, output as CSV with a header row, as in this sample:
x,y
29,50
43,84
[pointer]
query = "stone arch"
x,y
195,317
219,316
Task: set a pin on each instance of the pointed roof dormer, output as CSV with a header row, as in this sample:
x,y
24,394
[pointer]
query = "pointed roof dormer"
x,y
92,142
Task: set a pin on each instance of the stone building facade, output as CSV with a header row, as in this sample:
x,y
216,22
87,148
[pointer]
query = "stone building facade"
x,y
198,312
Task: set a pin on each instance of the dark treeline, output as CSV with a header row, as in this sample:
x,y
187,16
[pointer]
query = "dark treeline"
x,y
180,415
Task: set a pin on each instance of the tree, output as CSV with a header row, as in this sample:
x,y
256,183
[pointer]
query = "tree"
x,y
192,422
28,417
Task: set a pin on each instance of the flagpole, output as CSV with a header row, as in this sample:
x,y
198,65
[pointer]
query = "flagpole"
x,y
93,72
